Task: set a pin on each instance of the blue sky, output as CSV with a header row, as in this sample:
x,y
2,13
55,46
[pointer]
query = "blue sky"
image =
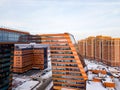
x,y
79,17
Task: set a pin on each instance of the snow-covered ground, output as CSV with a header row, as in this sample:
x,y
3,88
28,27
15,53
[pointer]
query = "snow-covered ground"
x,y
49,86
91,85
19,80
95,86
47,75
28,85
30,79
117,82
26,82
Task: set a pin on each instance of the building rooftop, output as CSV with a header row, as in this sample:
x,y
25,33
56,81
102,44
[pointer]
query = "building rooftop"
x,y
11,30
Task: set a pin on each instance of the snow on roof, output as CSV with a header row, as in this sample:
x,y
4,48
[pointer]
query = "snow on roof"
x,y
49,86
113,70
108,79
90,76
47,75
95,66
95,86
28,85
117,83
22,79
67,89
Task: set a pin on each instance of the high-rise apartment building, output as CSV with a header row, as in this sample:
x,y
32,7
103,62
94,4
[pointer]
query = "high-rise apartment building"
x,y
67,69
82,48
98,48
106,49
90,47
115,52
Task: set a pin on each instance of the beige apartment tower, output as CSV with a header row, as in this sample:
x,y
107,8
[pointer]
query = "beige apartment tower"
x,y
98,48
103,49
106,49
82,48
90,47
115,52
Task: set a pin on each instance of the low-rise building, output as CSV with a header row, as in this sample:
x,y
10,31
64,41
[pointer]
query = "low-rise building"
x,y
28,56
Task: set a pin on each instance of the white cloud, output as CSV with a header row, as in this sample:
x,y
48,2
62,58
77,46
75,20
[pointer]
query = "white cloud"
x,y
3,2
116,12
14,25
75,16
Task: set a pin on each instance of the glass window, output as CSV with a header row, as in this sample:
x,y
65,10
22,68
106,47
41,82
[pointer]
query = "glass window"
x,y
1,35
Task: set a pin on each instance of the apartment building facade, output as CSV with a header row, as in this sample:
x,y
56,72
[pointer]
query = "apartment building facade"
x,y
40,58
28,56
115,52
8,37
98,48
6,60
82,47
22,59
90,48
107,50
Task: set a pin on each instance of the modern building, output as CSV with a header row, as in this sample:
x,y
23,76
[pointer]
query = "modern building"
x,y
6,60
67,69
30,38
10,35
28,56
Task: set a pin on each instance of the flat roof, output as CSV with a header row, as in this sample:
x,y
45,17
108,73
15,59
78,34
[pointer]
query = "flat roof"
x,y
28,85
31,45
12,43
11,30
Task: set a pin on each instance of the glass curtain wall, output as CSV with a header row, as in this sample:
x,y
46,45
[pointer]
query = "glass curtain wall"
x,y
6,36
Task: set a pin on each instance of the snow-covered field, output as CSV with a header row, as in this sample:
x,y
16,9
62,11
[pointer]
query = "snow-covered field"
x,y
22,82
28,85
95,86
26,82
91,85
30,79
